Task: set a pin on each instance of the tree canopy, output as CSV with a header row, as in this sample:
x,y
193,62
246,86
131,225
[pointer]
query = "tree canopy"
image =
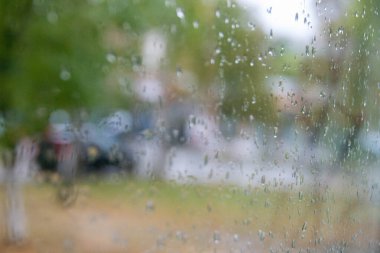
x,y
51,57
72,55
69,55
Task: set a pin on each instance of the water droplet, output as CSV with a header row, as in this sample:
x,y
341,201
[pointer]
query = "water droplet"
x,y
192,120
262,179
179,71
251,26
282,50
216,237
236,237
271,33
269,10
304,227
180,13
65,75
300,195
52,17
217,13
340,30
261,235
2,125
111,58
196,24
221,35
205,160
275,132
296,17
253,101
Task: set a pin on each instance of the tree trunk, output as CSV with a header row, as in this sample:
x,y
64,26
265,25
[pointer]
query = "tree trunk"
x,y
17,166
16,220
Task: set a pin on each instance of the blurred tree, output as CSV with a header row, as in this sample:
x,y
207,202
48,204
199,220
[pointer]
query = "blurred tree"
x,y
51,56
344,71
357,81
214,40
220,44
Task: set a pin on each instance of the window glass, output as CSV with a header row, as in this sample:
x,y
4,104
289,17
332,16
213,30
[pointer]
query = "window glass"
x,y
189,126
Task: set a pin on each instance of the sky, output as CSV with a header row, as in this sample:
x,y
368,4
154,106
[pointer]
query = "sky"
x,y
295,21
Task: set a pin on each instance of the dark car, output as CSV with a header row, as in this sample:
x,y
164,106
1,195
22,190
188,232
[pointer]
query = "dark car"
x,y
91,148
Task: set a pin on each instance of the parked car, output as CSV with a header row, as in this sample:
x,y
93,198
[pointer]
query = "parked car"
x,y
94,147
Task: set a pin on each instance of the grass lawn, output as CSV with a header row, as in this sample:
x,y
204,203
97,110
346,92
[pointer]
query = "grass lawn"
x,y
153,216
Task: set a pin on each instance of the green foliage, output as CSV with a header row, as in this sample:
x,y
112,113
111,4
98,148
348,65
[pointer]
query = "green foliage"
x,y
52,59
216,42
54,55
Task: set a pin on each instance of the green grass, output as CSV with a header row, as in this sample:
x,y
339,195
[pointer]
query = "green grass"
x,y
267,208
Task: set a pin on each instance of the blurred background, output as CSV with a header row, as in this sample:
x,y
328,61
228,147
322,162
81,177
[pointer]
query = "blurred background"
x,y
261,116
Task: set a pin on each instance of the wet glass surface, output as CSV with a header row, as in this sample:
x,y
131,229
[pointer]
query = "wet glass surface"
x,y
189,126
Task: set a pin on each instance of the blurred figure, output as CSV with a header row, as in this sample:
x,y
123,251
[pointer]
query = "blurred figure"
x,y
57,152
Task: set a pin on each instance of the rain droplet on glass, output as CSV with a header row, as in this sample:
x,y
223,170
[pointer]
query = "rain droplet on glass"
x,y
180,13
216,237
52,17
307,50
217,13
261,235
111,58
304,227
251,26
65,75
179,71
205,160
275,132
